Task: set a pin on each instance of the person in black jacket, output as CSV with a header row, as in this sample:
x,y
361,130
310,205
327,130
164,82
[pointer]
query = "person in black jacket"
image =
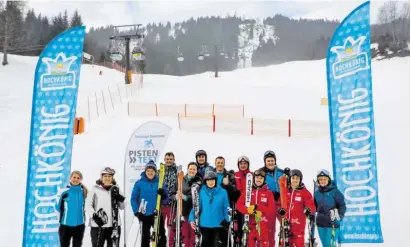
x,y
226,180
192,178
168,209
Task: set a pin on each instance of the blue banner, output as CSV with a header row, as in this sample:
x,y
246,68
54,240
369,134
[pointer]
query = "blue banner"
x,y
352,127
56,82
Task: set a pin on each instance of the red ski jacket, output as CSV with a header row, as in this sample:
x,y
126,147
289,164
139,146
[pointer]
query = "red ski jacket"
x,y
263,199
298,200
240,180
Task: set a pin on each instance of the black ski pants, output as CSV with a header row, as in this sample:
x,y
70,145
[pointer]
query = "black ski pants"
x,y
101,235
66,233
148,222
211,237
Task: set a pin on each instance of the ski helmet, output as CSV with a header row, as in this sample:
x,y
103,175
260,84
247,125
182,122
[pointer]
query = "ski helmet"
x,y
209,175
107,170
243,158
298,173
201,152
259,173
323,172
269,154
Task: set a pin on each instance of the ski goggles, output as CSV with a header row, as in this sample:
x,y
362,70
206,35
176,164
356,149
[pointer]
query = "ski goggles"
x,y
269,153
243,159
108,170
296,172
323,172
259,173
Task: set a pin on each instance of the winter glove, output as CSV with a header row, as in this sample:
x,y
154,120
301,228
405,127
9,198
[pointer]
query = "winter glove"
x,y
251,209
116,194
276,196
100,217
335,223
139,216
162,193
311,218
281,211
225,224
307,212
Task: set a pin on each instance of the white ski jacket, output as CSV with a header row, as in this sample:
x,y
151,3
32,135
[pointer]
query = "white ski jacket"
x,y
98,198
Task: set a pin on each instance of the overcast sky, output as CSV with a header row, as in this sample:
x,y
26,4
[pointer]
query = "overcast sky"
x,y
101,13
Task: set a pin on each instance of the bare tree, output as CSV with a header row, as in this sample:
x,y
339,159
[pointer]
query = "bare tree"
x,y
405,19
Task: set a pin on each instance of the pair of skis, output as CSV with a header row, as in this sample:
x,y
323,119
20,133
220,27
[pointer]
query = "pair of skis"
x,y
284,240
248,191
196,206
157,214
179,216
311,227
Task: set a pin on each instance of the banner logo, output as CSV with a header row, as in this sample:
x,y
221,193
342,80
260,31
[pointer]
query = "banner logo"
x,y
350,58
58,74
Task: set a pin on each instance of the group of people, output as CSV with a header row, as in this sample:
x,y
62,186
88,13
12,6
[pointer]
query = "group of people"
x,y
219,191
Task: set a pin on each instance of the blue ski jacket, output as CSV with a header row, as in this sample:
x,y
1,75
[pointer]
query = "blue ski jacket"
x,y
326,199
213,207
146,189
70,204
272,177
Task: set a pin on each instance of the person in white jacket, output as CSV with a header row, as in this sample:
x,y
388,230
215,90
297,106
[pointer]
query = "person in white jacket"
x,y
99,207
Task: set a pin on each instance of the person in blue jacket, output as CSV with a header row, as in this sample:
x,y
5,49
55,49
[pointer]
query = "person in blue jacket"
x,y
328,198
214,206
70,205
146,190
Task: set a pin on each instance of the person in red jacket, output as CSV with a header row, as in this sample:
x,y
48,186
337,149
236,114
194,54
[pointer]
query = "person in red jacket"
x,y
243,164
260,210
301,205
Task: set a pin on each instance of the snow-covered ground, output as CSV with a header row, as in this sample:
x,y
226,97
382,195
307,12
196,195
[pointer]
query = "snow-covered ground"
x,y
290,89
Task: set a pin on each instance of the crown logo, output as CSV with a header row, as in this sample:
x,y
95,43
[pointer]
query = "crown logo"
x,y
350,49
58,75
350,58
60,65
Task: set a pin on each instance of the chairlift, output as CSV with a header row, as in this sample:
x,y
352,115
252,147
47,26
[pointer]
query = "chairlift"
x,y
202,53
138,53
206,53
114,51
222,51
180,57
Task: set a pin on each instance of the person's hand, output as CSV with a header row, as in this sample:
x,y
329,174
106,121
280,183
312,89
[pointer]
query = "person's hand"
x,y
281,211
193,225
226,180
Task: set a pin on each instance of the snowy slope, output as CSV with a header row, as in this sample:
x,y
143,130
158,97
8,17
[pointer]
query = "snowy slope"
x,y
288,89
